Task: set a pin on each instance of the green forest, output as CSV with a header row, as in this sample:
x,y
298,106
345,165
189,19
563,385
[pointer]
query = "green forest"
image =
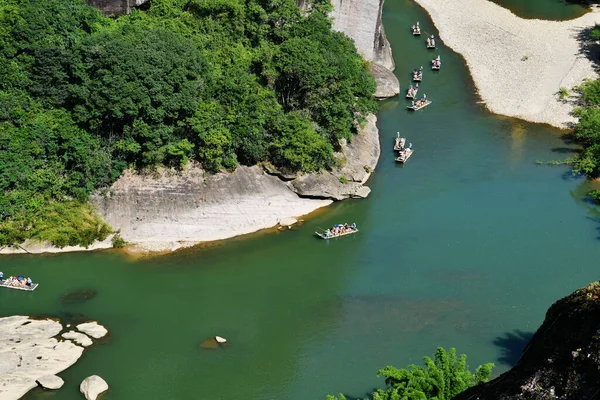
x,y
442,378
221,82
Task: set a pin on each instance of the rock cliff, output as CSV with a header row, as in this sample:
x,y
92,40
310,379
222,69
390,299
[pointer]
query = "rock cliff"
x,y
562,360
167,209
361,21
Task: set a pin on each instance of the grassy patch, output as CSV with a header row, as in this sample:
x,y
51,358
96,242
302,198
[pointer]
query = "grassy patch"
x,y
69,223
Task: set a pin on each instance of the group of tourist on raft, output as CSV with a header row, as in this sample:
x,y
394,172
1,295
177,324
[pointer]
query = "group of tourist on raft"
x,y
16,281
417,75
339,230
404,152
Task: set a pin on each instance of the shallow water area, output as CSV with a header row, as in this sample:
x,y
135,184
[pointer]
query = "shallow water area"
x,y
555,10
466,245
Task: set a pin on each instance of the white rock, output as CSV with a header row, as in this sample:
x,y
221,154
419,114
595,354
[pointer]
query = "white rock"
x,y
92,329
29,350
92,386
287,221
220,339
78,338
50,382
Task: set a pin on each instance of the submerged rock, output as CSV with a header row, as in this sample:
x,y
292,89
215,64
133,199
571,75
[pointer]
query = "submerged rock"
x,y
93,329
562,359
50,382
92,386
77,296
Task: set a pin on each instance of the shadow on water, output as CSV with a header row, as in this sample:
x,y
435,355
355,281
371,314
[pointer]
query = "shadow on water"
x,y
512,345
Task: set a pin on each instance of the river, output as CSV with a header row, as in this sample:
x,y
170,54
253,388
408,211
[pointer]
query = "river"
x,y
466,245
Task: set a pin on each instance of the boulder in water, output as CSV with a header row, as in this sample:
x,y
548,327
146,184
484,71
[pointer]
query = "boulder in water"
x,y
287,221
93,329
78,338
214,343
50,382
92,386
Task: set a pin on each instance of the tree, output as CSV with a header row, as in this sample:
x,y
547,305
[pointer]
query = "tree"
x,y
442,378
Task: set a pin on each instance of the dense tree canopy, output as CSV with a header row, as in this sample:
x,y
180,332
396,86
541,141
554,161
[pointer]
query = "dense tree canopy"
x,y
222,82
442,378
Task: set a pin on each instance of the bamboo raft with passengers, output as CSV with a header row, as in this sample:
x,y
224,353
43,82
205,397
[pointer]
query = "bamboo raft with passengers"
x,y
436,63
416,30
338,230
404,153
399,142
419,104
18,283
418,75
412,91
431,42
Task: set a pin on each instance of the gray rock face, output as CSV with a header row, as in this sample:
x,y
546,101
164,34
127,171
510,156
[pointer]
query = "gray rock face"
x,y
29,351
116,7
387,83
93,329
192,206
361,21
92,386
50,382
359,158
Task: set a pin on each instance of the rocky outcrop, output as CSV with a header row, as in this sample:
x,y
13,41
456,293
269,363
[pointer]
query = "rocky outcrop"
x,y
30,352
92,329
361,21
387,83
92,386
78,338
116,7
358,160
51,382
168,209
562,360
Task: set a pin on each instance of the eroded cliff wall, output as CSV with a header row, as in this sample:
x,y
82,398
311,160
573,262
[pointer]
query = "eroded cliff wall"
x,y
562,359
361,21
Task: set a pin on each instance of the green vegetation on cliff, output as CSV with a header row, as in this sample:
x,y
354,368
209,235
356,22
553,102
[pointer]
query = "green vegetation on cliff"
x,y
442,378
587,131
222,82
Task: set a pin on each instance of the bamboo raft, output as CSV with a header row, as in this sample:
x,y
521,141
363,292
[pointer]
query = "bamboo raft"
x,y
404,156
434,66
418,77
416,30
324,236
411,94
399,143
417,108
26,288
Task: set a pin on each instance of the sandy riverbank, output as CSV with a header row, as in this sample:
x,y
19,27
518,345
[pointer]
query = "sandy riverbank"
x,y
518,65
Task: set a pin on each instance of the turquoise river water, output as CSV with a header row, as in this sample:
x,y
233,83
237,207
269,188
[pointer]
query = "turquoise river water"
x,y
466,245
